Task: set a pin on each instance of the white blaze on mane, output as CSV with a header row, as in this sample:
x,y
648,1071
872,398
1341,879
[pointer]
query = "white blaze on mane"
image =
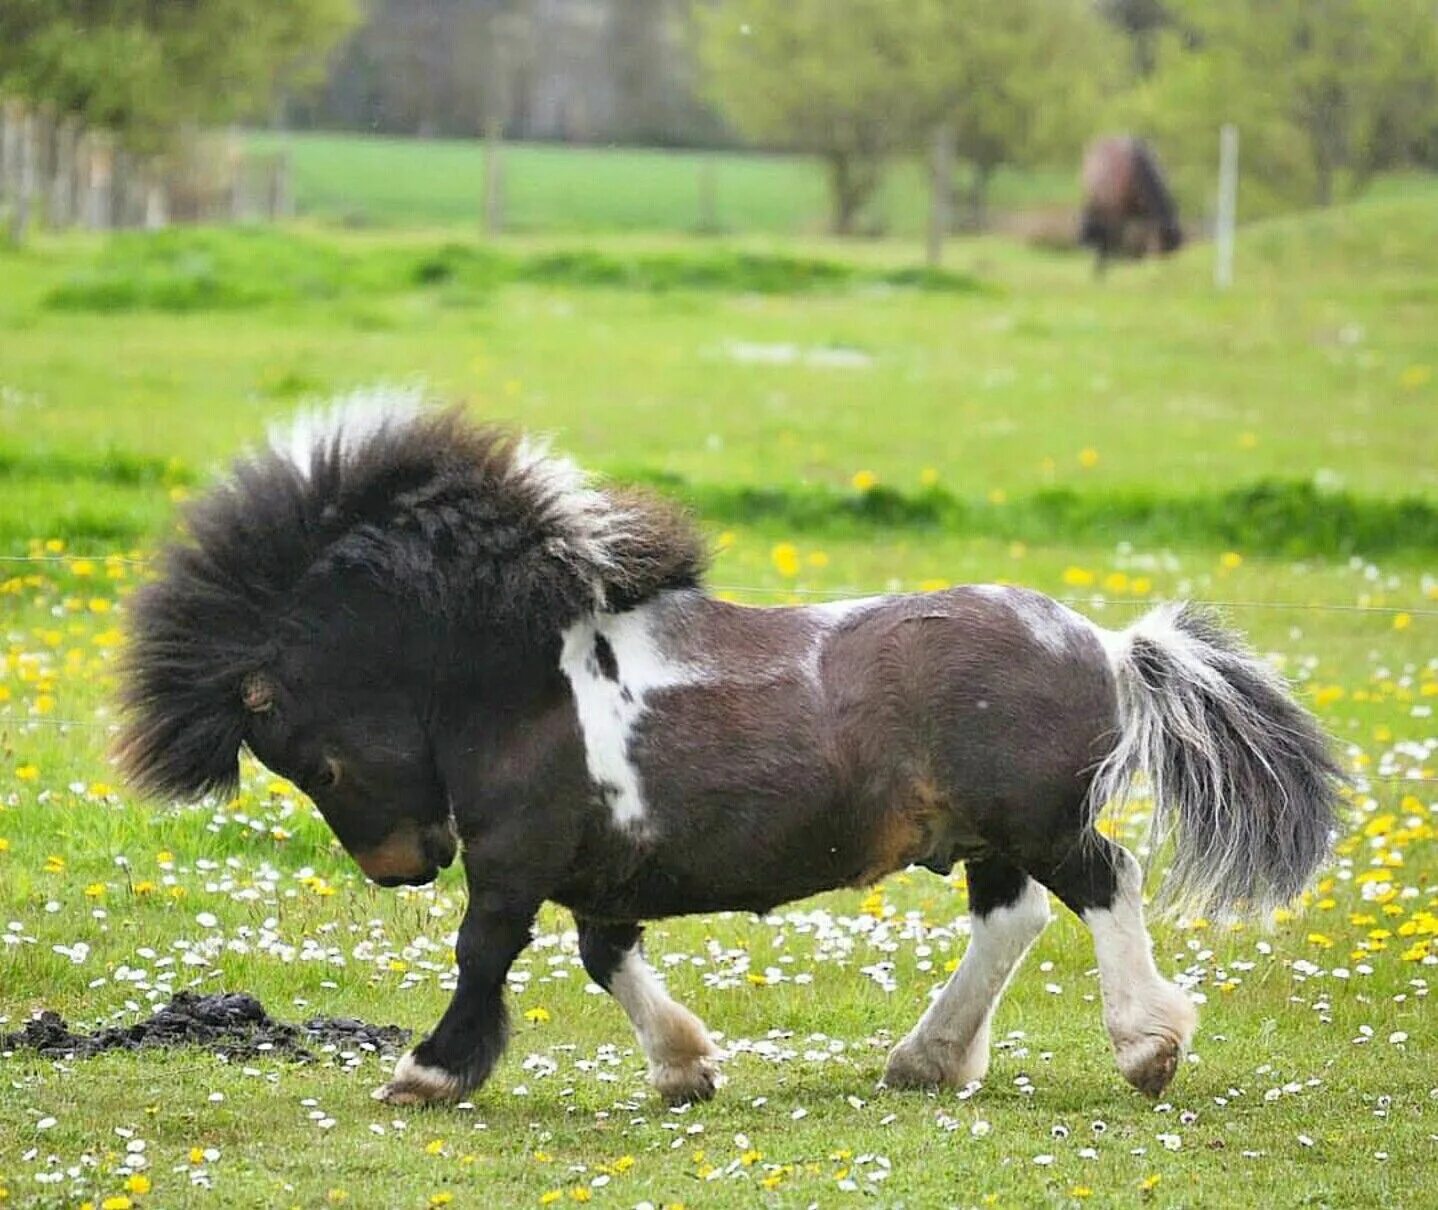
x,y
348,421
586,521
610,710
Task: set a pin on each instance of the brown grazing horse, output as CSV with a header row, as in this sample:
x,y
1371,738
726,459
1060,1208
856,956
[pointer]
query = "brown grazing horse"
x,y
1128,209
447,637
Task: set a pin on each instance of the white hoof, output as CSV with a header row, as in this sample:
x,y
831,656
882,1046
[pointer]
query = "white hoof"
x,y
416,1084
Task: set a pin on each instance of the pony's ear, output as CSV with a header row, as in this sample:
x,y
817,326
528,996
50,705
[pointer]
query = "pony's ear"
x,y
257,692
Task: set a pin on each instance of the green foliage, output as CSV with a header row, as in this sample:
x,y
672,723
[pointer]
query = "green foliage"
x,y
1270,517
1015,81
828,76
1324,92
185,270
144,68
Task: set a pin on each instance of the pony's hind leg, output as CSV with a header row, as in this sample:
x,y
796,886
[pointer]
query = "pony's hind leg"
x,y
950,1044
1150,1020
680,1052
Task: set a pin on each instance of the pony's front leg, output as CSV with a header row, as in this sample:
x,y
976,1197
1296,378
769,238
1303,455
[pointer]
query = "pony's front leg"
x,y
680,1052
470,1037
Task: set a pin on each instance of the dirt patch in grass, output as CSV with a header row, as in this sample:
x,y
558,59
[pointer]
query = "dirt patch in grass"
x,y
231,1024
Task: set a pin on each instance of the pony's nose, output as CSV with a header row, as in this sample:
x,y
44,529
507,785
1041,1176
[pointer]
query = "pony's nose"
x,y
441,845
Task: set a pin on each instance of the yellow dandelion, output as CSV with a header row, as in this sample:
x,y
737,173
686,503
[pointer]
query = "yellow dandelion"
x,y
139,1183
443,1198
4,845
551,1196
118,1202
1078,577
434,1147
933,585
580,1193
727,539
1401,621
864,481
94,890
997,495
1230,559
538,1014
99,604
1415,376
785,557
818,559
1115,581
928,477
1088,457
27,772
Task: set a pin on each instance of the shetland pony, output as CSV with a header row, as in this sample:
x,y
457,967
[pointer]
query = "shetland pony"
x,y
453,641
1128,208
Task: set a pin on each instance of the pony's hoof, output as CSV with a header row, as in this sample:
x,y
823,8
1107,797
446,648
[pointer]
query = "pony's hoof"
x,y
1149,1063
416,1084
683,1083
917,1064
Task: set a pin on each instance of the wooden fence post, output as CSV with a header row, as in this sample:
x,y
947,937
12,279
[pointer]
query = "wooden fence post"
x,y
941,193
1227,206
24,193
62,175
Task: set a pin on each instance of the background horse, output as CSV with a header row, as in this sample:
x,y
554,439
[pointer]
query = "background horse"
x,y
442,634
1127,206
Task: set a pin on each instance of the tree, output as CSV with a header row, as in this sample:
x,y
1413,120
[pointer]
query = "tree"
x,y
1014,82
145,68
1325,92
826,76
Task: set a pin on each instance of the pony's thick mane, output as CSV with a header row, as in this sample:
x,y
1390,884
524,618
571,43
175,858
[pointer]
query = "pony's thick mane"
x,y
472,523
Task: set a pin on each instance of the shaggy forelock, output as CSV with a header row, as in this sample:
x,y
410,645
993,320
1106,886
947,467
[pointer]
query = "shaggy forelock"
x,y
466,522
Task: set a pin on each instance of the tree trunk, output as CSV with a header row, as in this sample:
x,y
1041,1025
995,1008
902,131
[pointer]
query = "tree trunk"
x,y
978,216
941,193
850,185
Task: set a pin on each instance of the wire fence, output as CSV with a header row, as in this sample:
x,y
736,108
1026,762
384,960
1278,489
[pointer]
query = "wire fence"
x,y
843,593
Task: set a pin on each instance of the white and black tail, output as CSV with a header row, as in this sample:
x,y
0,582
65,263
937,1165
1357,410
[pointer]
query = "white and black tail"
x,y
1244,780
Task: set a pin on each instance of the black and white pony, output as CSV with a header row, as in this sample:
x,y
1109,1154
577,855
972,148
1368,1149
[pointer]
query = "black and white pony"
x,y
453,641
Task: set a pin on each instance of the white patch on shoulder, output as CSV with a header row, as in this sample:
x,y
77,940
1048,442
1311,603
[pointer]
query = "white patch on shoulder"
x,y
1053,625
611,707
830,615
348,420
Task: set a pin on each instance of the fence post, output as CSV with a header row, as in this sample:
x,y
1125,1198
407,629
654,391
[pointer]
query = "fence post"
x,y
62,175
493,176
282,195
24,192
941,193
1227,206
708,196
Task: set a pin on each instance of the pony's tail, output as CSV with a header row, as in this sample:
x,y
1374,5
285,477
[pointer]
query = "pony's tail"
x,y
1243,779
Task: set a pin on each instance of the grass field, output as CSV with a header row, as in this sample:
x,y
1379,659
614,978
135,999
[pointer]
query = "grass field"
x,y
806,372
383,182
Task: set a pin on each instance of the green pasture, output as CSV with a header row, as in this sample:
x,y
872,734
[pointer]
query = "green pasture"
x,y
842,426
389,182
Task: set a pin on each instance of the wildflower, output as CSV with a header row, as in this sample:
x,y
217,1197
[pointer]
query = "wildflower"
x,y
94,890
997,495
1230,560
580,1193
1401,621
118,1202
1078,577
785,557
139,1183
934,585
1246,441
1149,1183
928,477
538,1014
443,1198
434,1147
549,1197
4,845
1088,457
864,481
27,772
818,559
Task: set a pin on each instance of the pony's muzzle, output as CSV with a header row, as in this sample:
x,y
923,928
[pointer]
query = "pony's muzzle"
x,y
411,855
